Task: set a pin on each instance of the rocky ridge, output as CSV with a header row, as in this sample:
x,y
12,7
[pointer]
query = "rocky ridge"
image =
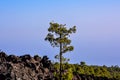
x,y
25,67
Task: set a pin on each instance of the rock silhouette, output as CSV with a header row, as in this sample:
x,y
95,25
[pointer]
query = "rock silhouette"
x,y
24,67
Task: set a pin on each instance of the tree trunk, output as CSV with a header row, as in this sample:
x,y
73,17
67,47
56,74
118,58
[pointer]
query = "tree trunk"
x,y
60,59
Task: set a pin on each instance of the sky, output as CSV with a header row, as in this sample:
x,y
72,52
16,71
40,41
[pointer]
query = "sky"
x,y
24,24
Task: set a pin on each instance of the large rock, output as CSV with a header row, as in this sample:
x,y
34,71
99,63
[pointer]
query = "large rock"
x,y
24,67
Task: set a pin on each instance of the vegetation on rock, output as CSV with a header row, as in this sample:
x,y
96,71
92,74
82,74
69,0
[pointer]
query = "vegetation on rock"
x,y
40,68
85,72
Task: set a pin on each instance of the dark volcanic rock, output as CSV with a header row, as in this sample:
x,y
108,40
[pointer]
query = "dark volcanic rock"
x,y
24,67
37,58
3,57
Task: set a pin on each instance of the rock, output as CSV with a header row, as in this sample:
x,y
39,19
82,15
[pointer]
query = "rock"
x,y
25,57
3,57
46,62
12,58
37,58
24,67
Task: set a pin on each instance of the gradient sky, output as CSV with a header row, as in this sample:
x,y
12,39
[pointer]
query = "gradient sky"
x,y
24,24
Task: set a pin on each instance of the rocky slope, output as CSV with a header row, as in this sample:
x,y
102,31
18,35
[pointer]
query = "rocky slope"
x,y
24,67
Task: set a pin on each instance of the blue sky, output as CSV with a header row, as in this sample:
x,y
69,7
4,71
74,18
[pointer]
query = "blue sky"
x,y
24,23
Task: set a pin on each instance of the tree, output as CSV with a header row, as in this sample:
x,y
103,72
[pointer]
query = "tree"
x,y
58,36
64,60
82,63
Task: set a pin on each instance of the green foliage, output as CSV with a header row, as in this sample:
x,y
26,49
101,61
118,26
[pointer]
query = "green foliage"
x,y
64,60
79,70
82,63
57,66
114,71
58,33
58,36
68,75
96,71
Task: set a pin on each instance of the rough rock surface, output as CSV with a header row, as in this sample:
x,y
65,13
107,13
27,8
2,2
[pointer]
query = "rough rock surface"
x,y
24,67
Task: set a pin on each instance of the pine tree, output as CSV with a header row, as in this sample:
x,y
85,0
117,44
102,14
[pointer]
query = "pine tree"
x,y
58,36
